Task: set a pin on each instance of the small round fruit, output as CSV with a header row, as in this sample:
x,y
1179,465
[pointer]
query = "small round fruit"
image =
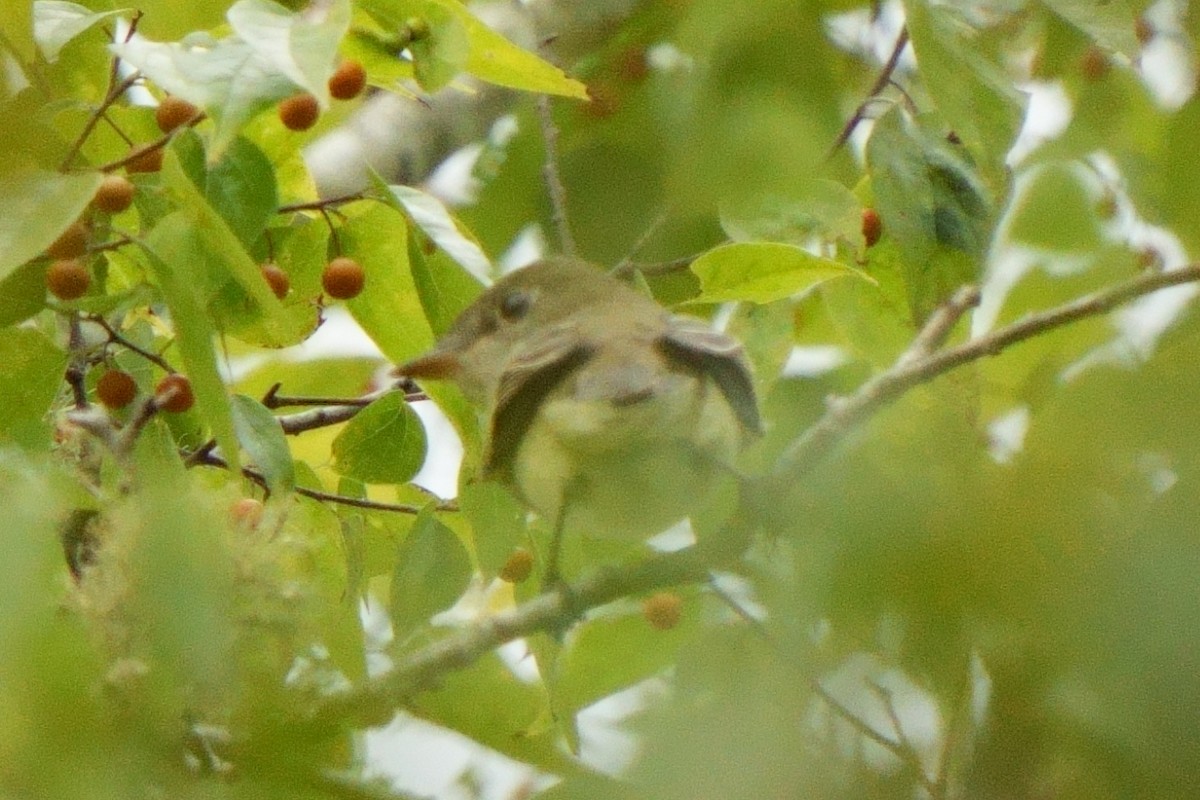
x,y
1094,64
277,279
68,279
299,112
348,80
145,158
71,243
174,112
247,512
343,278
872,226
518,566
1143,29
663,610
174,394
114,195
116,389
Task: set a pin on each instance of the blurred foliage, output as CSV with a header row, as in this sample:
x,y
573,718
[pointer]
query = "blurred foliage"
x,y
988,590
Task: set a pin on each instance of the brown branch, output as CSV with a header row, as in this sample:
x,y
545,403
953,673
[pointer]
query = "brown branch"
x,y
77,365
114,93
553,179
881,81
157,144
555,609
319,205
114,337
912,368
552,610
208,458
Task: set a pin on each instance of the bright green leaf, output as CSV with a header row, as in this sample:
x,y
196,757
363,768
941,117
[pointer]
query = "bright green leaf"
x,y
173,248
432,571
302,46
264,441
761,272
383,443
38,207
430,215
33,371
1109,22
55,23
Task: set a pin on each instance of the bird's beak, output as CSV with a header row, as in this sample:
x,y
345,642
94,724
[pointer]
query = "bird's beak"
x,y
437,364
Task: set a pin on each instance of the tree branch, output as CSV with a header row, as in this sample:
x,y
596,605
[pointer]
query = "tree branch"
x,y
881,81
917,365
551,610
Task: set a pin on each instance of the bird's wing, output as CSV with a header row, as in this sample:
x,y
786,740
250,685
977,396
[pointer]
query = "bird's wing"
x,y
693,344
527,379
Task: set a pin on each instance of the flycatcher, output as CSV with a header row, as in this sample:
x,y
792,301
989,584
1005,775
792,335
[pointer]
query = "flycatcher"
x,y
606,414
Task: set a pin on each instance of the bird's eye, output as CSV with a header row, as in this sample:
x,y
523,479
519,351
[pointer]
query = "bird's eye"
x,y
515,305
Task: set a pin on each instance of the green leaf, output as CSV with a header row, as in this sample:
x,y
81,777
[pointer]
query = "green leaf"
x,y
458,40
302,46
430,215
432,571
382,443
761,272
389,308
38,206
232,284
33,372
976,97
1110,23
819,207
55,23
173,249
16,28
497,523
614,652
1055,210
445,288
22,293
263,440
932,203
235,78
240,187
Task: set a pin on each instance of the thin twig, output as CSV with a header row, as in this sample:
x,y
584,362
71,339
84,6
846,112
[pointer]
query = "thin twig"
x,y
157,144
553,179
881,81
626,268
115,337
77,365
641,241
211,459
844,414
317,205
908,754
114,93
553,610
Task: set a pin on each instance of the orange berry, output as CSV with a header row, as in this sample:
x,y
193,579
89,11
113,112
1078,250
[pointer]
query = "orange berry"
x,y
116,389
277,279
343,278
68,279
247,512
1143,29
173,112
872,226
1094,64
518,566
348,80
71,243
663,610
144,159
299,112
114,195
174,393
